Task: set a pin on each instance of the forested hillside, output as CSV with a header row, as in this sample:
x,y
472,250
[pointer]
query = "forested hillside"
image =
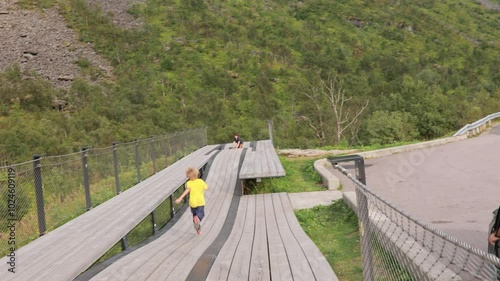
x,y
326,72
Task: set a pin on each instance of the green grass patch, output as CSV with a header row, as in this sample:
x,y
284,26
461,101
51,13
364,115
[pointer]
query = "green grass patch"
x,y
300,177
334,229
141,232
116,249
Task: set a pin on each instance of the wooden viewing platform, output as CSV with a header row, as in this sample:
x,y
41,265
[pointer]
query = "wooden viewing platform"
x,y
261,161
173,255
254,237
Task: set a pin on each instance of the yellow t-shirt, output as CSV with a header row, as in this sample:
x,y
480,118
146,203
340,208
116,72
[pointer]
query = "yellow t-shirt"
x,y
196,196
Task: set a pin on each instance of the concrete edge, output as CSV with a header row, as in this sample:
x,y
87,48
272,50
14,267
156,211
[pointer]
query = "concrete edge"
x,y
329,180
409,147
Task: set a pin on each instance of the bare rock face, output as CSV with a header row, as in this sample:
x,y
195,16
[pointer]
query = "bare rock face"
x,y
41,42
490,5
118,11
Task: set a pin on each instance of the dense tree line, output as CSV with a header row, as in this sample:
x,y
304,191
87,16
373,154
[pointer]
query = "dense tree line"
x,y
326,72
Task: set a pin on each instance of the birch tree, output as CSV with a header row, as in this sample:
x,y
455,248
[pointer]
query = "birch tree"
x,y
342,114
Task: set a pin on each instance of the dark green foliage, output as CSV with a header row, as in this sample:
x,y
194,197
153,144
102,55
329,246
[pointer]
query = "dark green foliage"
x,y
389,127
426,67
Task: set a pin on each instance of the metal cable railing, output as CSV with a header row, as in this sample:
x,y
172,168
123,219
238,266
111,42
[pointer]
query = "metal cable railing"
x,y
42,194
397,246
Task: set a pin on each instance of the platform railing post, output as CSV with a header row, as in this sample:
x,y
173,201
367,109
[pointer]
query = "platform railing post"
x,y
86,182
115,166
37,172
137,163
153,156
270,127
172,206
153,220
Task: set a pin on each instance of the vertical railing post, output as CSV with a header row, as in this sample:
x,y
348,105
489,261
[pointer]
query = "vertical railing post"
x,y
199,138
115,165
270,127
172,206
359,165
153,156
363,212
165,150
187,197
187,147
153,220
124,243
206,137
365,235
86,182
37,172
137,164
176,147
183,143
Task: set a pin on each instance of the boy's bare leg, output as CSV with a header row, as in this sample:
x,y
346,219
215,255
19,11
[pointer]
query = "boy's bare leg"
x,y
197,226
196,222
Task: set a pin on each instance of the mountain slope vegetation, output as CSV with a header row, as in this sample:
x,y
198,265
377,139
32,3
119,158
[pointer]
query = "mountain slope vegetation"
x,y
326,72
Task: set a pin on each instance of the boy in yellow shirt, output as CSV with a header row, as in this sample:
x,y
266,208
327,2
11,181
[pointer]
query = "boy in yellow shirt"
x,y
195,187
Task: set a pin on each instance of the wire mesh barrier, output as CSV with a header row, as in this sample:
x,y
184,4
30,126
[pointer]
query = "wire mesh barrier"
x,y
397,246
42,194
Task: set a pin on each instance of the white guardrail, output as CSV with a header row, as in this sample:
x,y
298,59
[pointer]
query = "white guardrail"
x,y
477,125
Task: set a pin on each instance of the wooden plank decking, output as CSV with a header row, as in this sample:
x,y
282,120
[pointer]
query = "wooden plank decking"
x,y
261,161
264,240
267,243
65,252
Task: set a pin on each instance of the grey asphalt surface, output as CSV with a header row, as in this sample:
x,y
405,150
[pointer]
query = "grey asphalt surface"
x,y
453,187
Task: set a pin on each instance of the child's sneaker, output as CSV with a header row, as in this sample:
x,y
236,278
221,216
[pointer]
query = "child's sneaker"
x,y
198,232
196,222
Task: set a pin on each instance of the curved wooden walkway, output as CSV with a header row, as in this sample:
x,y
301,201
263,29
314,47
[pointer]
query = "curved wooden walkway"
x,y
264,241
174,254
67,251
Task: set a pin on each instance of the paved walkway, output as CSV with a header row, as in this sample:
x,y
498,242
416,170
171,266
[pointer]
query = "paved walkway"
x,y
306,200
453,187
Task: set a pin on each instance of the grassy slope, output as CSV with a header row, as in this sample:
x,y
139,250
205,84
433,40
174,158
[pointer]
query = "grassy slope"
x,y
249,61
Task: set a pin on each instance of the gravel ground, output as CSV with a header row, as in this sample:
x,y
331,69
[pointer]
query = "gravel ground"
x,y
41,41
490,5
118,11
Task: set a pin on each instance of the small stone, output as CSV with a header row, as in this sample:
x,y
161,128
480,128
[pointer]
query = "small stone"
x,y
65,78
31,52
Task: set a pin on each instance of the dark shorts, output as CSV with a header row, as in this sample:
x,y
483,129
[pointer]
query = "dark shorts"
x,y
199,212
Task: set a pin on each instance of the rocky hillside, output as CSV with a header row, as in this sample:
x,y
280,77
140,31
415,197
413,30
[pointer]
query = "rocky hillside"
x,y
41,41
